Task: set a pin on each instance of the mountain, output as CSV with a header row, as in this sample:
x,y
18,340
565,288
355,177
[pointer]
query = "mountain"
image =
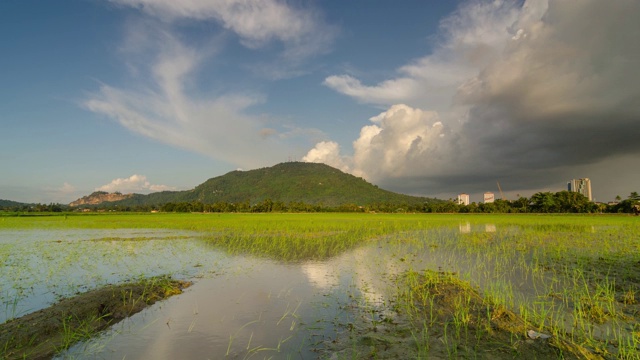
x,y
310,183
10,204
99,197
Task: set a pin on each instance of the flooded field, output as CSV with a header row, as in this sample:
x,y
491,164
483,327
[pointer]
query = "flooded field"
x,y
336,286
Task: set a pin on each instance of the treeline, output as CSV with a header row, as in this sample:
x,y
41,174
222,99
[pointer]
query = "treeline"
x,y
53,207
542,202
546,202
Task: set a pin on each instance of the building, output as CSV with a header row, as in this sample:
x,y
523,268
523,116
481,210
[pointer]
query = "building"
x,y
489,197
582,186
463,199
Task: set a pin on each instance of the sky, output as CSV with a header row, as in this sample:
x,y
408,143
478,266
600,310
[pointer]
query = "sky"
x,y
431,98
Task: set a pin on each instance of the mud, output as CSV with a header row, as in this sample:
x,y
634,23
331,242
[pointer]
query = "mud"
x,y
40,335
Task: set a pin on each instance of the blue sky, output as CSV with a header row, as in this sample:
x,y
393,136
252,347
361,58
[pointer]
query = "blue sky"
x,y
428,98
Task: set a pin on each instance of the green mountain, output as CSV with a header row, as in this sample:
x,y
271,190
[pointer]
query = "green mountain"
x,y
310,183
9,204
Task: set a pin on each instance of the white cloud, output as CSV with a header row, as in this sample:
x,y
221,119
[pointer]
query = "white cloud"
x,y
388,92
527,93
256,22
470,38
133,184
168,104
327,152
166,109
399,138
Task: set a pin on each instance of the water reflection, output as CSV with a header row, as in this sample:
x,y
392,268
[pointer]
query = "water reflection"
x,y
243,306
40,266
321,275
259,307
465,228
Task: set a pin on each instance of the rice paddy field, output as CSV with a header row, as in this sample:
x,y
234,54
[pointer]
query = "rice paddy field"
x,y
326,286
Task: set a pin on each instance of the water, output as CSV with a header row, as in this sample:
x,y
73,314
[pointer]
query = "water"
x,y
242,306
39,267
263,308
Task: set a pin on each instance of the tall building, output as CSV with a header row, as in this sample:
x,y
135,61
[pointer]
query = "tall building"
x,y
463,199
489,197
582,186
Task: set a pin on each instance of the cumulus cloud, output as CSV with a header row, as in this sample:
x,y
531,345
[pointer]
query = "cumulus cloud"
x,y
530,93
390,147
133,184
327,152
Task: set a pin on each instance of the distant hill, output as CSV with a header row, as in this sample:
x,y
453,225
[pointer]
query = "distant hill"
x,y
9,203
310,183
99,197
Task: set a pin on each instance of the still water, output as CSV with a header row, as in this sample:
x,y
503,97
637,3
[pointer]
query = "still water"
x,y
239,306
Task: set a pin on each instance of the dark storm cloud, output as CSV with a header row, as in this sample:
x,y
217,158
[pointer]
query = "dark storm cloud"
x,y
557,96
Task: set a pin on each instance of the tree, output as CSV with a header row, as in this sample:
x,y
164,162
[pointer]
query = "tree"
x,y
488,208
503,206
628,205
543,202
521,205
571,201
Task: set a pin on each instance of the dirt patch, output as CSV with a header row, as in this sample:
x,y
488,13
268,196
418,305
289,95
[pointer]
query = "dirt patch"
x,y
438,316
41,334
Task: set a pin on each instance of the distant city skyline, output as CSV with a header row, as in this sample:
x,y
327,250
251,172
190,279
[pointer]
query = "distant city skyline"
x,y
426,98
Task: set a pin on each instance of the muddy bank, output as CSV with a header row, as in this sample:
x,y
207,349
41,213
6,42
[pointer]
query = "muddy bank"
x,y
41,334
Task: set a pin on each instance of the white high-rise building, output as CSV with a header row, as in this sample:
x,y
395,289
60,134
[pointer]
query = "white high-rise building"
x,y
489,197
463,199
582,186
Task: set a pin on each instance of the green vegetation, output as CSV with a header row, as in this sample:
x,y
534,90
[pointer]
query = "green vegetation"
x,y
488,294
483,286
434,301
292,182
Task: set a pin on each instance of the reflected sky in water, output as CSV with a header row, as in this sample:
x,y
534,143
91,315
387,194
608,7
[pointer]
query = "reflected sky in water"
x,y
243,306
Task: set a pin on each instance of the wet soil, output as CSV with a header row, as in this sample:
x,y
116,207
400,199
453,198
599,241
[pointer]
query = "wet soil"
x,y
40,335
443,319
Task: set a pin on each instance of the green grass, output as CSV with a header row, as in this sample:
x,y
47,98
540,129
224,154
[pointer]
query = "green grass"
x,y
288,237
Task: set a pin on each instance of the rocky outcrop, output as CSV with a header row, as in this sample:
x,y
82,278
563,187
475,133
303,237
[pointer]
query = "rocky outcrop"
x,y
99,197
